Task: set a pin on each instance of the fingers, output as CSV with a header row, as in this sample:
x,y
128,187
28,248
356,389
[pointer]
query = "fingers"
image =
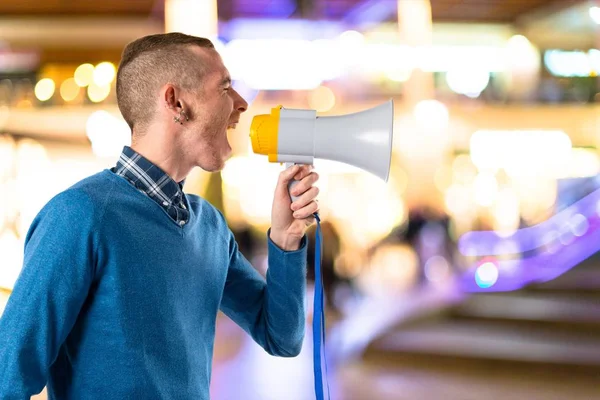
x,y
306,183
307,211
303,172
288,174
295,172
305,199
305,205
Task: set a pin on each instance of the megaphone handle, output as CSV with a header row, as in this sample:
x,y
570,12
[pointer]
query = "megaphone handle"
x,y
292,183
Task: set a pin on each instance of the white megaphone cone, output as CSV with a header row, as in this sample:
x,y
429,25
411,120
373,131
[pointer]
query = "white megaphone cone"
x,y
362,139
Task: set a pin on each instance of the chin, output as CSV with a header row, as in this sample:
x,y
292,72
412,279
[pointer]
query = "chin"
x,y
214,165
214,160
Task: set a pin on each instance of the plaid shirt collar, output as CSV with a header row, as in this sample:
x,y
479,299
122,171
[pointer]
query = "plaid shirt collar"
x,y
154,182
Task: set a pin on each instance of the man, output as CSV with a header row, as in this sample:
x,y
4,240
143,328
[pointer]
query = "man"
x,y
123,274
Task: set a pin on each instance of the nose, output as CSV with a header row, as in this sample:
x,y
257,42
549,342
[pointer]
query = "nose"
x,y
239,103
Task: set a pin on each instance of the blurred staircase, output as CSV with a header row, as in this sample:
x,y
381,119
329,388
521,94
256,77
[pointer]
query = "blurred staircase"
x,y
551,328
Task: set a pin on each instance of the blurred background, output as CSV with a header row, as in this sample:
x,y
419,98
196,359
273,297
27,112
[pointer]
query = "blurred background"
x,y
472,274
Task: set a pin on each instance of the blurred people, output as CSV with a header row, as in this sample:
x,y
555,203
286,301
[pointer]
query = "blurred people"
x,y
330,251
124,274
247,243
427,232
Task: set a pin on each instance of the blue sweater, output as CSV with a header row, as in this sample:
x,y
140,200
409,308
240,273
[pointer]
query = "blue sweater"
x,y
116,301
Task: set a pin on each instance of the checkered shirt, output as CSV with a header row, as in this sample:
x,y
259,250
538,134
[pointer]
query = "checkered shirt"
x,y
153,182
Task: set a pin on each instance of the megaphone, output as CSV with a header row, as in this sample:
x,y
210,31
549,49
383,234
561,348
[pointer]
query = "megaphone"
x,y
362,139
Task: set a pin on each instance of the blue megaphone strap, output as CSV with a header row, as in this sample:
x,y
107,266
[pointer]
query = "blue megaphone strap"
x,y
319,319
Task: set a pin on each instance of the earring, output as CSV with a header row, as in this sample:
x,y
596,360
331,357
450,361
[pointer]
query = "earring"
x,y
179,118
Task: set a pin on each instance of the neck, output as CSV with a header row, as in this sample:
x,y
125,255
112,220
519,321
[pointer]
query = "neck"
x,y
159,147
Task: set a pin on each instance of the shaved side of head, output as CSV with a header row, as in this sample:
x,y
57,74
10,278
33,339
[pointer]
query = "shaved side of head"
x,y
149,63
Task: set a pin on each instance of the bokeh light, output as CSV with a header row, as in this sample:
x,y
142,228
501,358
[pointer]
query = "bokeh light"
x,y
97,93
31,157
486,189
459,200
436,269
107,133
84,74
583,163
486,275
247,198
34,182
69,89
399,74
524,61
104,73
463,170
470,82
431,114
443,178
579,225
392,269
595,14
506,212
322,99
520,153
352,38
44,89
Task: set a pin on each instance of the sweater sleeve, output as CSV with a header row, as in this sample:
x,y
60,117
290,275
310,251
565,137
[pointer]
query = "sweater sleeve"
x,y
272,312
48,295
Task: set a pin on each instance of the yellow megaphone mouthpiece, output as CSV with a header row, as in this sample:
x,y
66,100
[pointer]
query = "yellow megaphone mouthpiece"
x,y
264,133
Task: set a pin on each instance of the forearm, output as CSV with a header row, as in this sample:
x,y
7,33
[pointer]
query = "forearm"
x,y
22,371
272,312
285,293
31,329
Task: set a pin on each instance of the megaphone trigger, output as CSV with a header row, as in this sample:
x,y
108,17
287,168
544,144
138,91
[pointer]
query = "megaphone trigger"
x,y
292,182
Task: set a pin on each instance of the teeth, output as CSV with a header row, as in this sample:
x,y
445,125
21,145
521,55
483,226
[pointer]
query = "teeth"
x,y
232,126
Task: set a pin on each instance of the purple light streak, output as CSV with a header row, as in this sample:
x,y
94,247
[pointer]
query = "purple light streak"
x,y
481,243
543,267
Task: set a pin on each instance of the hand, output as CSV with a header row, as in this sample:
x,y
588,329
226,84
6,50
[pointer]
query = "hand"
x,y
289,221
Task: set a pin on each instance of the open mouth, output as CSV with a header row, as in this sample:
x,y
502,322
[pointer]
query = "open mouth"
x,y
232,126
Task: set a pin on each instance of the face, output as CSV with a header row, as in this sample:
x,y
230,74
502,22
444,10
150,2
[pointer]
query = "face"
x,y
214,109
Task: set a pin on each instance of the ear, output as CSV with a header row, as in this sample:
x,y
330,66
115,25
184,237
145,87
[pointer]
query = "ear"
x,y
172,100
170,97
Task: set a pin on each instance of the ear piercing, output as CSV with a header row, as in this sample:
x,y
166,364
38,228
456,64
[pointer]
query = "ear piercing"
x,y
179,119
